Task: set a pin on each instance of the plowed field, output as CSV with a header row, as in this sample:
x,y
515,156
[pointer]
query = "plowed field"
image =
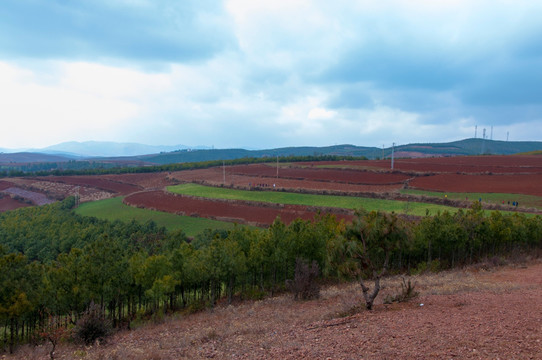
x,y
236,211
330,175
98,182
7,203
215,177
528,184
465,164
473,174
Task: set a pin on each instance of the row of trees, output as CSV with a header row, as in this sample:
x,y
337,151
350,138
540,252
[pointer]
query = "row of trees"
x,y
55,262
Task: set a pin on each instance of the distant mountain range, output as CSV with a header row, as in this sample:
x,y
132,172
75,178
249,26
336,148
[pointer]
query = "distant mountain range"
x,y
131,153
87,149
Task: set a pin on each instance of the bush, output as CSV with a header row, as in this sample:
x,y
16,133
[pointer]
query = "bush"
x,y
407,293
304,286
92,326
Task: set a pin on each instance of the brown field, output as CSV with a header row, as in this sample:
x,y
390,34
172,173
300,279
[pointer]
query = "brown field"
x,y
8,203
5,185
98,182
513,164
527,184
480,174
258,214
328,175
466,314
215,177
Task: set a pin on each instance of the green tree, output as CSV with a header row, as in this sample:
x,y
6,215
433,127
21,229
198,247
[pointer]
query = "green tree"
x,y
373,238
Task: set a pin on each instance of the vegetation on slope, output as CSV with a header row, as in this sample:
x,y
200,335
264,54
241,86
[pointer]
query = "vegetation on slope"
x,y
56,263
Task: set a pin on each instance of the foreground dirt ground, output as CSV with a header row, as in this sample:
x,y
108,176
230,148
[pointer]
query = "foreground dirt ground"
x,y
468,314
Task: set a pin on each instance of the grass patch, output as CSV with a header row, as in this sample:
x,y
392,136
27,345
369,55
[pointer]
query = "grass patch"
x,y
528,201
113,209
277,197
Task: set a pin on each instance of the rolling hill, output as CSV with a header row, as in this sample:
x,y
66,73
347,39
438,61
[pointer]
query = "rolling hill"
x,y
65,152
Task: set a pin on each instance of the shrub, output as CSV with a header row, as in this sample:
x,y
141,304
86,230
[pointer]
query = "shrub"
x,y
407,293
92,325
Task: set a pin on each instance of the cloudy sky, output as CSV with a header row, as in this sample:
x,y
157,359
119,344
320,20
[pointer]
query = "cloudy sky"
x,y
269,73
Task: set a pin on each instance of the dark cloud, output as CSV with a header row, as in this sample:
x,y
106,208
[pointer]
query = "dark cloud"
x,y
512,84
388,65
167,31
351,96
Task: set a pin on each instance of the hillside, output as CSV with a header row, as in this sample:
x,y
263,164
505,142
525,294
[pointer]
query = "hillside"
x,y
183,155
462,147
29,157
469,314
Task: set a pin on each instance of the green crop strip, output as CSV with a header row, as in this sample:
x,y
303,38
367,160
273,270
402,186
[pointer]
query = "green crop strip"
x,y
113,209
278,197
493,198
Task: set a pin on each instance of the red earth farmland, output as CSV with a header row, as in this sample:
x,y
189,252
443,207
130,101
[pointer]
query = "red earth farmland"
x,y
481,174
7,203
98,182
235,211
215,177
330,175
514,164
528,184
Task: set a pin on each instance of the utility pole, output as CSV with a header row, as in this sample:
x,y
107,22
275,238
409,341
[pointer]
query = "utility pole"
x,y
392,151
277,166
475,130
483,141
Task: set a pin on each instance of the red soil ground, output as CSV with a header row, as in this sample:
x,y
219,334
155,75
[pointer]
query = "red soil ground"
x,y
7,203
215,177
529,184
516,164
99,182
331,175
145,181
466,314
511,174
236,211
5,185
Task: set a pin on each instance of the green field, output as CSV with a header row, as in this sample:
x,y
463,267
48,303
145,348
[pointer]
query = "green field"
x,y
114,209
527,201
346,202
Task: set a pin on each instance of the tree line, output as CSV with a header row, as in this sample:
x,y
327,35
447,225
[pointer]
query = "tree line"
x,y
55,262
86,167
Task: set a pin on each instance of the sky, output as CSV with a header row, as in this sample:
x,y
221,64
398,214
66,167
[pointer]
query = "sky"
x,y
269,73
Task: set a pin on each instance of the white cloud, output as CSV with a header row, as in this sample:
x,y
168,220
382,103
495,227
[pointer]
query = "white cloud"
x,y
87,102
321,113
268,88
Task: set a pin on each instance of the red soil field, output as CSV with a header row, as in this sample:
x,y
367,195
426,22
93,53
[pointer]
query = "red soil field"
x,y
215,177
99,182
529,184
331,175
485,174
145,181
235,211
5,185
516,164
7,203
